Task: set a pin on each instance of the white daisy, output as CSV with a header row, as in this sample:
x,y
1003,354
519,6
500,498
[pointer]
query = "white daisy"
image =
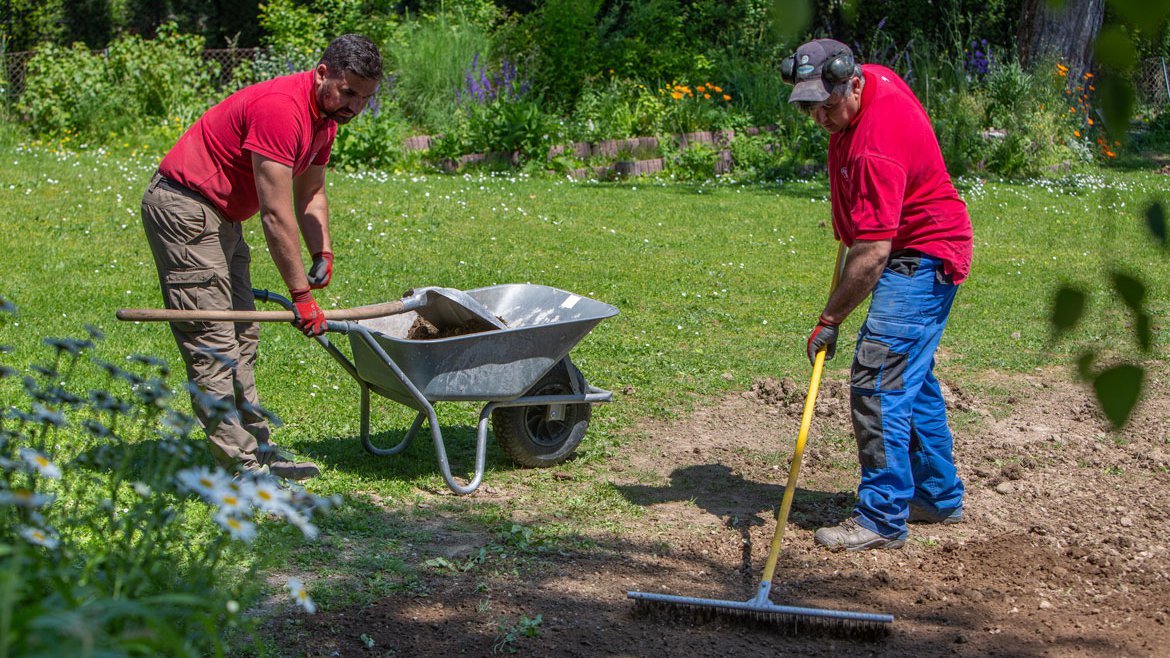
x,y
40,463
241,529
266,495
25,498
202,480
46,538
297,589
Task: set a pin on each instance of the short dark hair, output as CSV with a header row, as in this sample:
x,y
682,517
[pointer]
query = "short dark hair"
x,y
353,53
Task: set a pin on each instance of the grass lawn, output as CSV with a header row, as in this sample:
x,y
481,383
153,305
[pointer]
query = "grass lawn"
x,y
717,285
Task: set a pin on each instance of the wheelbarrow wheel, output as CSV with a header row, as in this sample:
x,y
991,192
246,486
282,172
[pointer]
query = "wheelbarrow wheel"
x,y
530,436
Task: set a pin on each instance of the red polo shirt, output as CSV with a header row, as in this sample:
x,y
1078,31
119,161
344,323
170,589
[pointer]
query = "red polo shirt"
x,y
888,180
278,119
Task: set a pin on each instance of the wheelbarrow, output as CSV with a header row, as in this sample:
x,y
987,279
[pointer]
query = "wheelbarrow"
x,y
538,401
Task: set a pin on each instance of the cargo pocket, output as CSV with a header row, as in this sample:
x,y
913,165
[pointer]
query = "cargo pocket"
x,y
195,289
865,402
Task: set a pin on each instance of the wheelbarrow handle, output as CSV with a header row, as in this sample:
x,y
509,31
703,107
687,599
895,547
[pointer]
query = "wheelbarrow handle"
x,y
336,315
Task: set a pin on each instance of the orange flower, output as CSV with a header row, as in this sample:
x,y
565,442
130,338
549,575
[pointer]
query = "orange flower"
x,y
1092,88
1077,133
700,88
706,95
1061,67
1072,110
676,95
1090,122
726,97
1088,75
718,89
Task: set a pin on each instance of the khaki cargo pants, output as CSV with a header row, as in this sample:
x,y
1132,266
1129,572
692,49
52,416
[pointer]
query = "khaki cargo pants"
x,y
204,263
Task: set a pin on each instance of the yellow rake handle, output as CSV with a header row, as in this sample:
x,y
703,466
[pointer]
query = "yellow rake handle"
x,y
810,402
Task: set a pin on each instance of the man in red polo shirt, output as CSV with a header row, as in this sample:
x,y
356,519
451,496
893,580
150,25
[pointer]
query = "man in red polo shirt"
x,y
909,240
263,149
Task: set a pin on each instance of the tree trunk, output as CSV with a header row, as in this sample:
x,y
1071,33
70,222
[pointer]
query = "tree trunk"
x,y
1067,33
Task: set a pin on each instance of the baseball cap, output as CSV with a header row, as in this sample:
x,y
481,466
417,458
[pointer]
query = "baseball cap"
x,y
808,65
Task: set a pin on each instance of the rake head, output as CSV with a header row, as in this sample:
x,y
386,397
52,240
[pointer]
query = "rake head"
x,y
786,620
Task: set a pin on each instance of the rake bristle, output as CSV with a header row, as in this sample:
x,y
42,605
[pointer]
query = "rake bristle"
x,y
785,623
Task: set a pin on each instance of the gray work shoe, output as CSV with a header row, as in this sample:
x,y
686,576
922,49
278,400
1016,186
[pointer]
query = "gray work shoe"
x,y
920,514
291,470
851,536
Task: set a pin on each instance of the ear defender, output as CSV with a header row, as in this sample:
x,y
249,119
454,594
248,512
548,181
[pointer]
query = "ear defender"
x,y
839,69
788,70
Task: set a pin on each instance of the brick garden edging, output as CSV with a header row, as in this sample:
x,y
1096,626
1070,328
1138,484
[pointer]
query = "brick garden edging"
x,y
606,148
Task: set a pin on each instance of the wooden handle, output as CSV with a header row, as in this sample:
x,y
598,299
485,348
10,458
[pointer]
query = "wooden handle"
x,y
175,315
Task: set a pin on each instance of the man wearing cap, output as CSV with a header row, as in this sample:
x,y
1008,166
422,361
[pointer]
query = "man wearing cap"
x,y
263,149
909,240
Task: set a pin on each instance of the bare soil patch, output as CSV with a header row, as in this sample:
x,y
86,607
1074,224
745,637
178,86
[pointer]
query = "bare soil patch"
x,y
1065,550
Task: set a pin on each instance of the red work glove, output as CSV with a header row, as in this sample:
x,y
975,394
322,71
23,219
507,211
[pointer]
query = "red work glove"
x,y
823,335
310,318
321,271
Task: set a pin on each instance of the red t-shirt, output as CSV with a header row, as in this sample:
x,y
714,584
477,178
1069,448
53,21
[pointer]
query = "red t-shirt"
x,y
888,180
278,119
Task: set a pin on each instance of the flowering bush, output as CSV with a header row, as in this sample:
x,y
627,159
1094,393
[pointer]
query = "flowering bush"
x,y
105,547
693,109
498,115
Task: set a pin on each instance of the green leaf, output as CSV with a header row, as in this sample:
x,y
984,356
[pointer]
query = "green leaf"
x,y
1115,50
1132,291
1145,334
790,18
1156,223
1085,365
1067,309
1117,102
1118,390
1145,14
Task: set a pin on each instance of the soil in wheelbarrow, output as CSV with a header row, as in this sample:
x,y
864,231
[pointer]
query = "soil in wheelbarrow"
x,y
1065,550
423,329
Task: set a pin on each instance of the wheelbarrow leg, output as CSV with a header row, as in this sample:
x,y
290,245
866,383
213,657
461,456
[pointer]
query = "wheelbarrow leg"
x,y
432,418
367,443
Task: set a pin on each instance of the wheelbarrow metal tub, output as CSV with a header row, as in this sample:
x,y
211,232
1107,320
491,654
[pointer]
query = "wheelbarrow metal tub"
x,y
544,324
525,366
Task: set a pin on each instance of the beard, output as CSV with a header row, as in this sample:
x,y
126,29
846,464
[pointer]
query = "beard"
x,y
340,117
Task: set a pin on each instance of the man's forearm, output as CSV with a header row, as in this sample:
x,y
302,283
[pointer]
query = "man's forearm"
x,y
863,268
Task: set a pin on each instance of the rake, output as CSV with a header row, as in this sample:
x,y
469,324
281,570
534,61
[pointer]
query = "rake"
x,y
760,610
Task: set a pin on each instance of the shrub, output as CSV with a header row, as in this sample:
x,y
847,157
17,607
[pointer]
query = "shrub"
x,y
105,548
76,91
694,163
371,141
617,108
67,90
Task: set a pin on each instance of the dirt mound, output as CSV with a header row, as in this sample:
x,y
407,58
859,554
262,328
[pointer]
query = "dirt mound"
x,y
1065,549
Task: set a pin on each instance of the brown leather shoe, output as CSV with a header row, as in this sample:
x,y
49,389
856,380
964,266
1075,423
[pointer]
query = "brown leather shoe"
x,y
292,470
851,536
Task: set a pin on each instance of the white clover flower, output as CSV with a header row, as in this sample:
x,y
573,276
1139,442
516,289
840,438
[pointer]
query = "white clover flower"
x,y
238,528
26,498
202,480
46,538
232,606
297,589
40,463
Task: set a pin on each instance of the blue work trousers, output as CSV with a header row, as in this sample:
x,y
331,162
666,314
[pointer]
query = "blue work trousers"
x,y
899,415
